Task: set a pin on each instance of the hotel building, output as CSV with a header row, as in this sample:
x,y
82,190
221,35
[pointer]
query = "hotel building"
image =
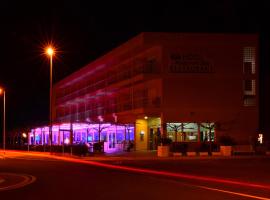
x,y
191,87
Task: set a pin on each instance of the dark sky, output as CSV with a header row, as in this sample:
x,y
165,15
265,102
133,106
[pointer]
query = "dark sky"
x,y
84,31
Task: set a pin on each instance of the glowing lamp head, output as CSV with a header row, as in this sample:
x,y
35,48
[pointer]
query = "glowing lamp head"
x,y
1,90
145,117
260,138
66,141
50,51
24,135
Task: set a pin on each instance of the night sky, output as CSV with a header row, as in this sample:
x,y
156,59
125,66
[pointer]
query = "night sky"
x,y
84,31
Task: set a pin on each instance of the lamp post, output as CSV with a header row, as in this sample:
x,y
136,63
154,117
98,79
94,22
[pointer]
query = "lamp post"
x,y
50,53
2,91
24,137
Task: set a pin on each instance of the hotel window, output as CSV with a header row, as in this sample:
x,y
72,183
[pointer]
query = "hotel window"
x,y
249,87
249,100
249,82
248,68
249,60
182,132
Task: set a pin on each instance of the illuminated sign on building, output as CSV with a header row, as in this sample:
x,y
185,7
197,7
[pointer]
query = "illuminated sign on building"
x,y
189,63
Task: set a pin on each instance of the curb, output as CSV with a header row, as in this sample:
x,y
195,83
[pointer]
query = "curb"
x,y
135,157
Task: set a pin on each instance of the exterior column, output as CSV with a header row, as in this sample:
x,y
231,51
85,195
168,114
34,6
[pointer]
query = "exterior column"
x,y
63,144
41,136
52,138
199,133
134,135
71,134
114,141
59,136
44,140
80,136
44,136
34,136
163,126
29,137
87,133
125,133
29,140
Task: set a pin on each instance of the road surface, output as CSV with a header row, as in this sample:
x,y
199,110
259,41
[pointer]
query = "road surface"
x,y
28,177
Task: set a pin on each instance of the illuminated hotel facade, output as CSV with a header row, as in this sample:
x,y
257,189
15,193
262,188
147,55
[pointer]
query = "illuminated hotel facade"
x,y
189,87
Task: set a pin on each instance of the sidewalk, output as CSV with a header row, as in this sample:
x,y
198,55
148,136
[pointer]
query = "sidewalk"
x,y
139,156
152,155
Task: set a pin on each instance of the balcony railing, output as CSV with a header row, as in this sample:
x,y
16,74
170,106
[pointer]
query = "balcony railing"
x,y
111,79
113,108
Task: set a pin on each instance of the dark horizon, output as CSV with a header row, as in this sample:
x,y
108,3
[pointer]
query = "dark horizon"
x,y
79,30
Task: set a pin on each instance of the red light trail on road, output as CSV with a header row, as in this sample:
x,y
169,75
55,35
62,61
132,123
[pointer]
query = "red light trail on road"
x,y
169,174
152,172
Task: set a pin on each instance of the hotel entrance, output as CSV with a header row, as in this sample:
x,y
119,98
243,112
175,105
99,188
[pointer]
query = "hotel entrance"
x,y
154,136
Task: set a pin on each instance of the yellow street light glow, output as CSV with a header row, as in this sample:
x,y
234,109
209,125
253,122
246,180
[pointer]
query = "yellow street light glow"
x,y
50,51
1,90
24,135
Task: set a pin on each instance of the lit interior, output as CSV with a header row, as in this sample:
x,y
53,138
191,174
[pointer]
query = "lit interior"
x,y
112,135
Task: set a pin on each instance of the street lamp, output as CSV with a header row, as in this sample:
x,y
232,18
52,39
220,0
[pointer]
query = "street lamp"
x,y
50,53
2,91
24,135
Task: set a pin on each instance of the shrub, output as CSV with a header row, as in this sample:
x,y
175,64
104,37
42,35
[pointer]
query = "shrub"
x,y
130,145
165,141
226,140
98,147
214,147
81,149
180,147
205,147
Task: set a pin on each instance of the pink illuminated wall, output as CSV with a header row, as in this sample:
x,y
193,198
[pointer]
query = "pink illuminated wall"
x,y
82,133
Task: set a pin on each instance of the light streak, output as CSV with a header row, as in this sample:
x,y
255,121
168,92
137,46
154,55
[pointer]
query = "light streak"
x,y
153,172
27,179
234,193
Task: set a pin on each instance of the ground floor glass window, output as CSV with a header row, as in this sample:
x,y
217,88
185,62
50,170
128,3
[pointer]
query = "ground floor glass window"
x,y
191,132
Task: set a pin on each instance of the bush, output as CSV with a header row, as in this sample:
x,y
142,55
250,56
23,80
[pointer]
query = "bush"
x,y
215,147
130,145
98,147
268,145
165,141
205,147
226,140
81,149
180,147
56,148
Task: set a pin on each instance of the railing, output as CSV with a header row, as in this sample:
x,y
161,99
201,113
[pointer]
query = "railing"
x,y
111,79
122,106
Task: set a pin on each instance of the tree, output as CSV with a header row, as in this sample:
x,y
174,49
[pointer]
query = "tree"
x,y
176,127
208,126
99,129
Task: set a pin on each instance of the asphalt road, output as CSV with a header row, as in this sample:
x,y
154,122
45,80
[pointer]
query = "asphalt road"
x,y
55,179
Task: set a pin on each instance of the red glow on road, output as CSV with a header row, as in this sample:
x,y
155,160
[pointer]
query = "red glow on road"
x,y
152,172
169,174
